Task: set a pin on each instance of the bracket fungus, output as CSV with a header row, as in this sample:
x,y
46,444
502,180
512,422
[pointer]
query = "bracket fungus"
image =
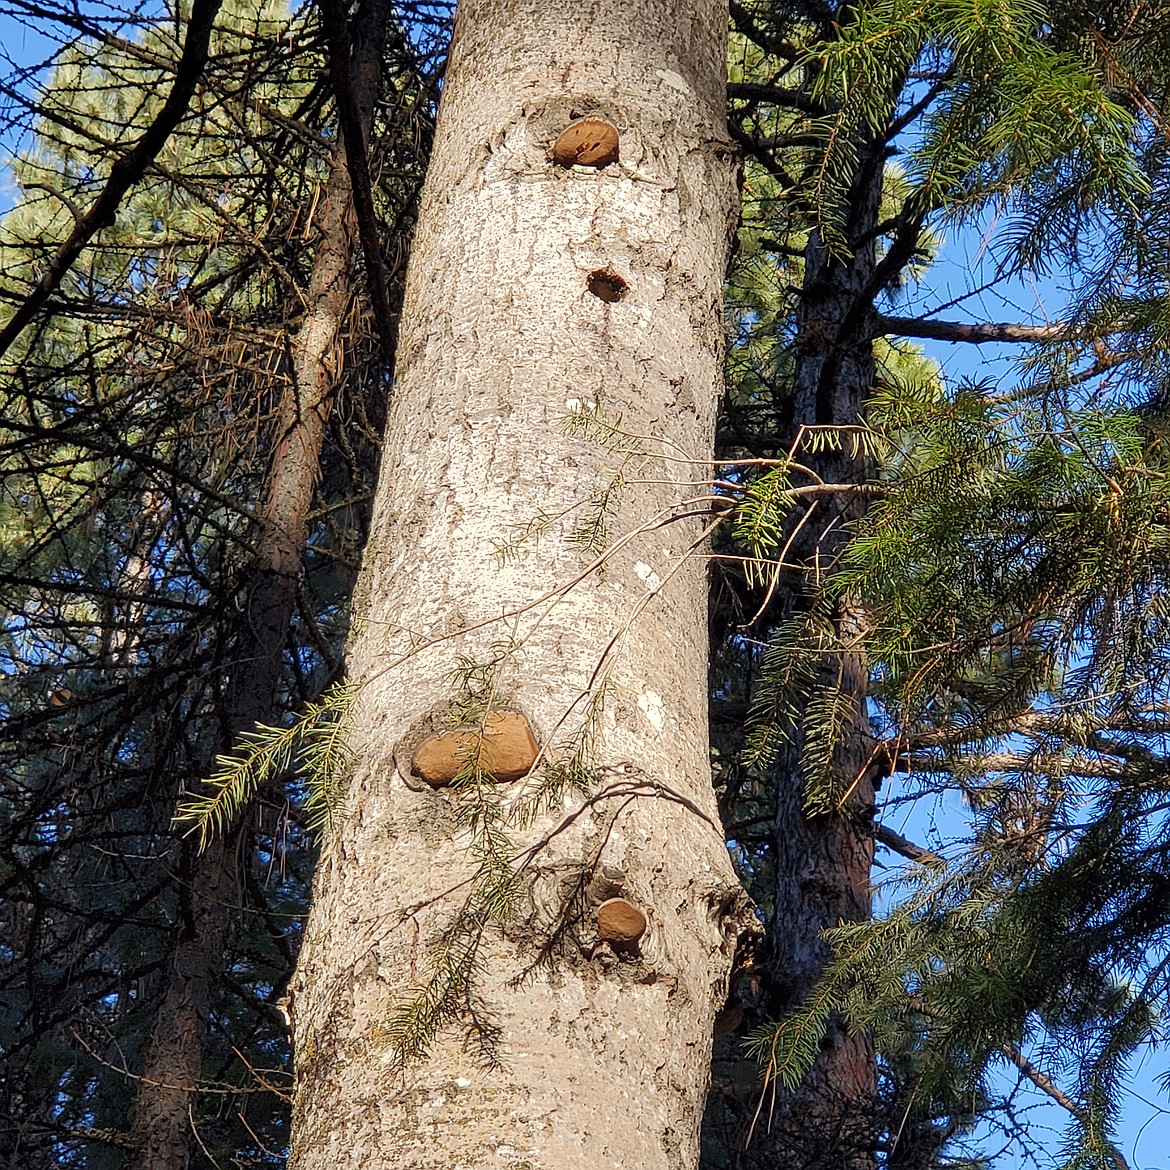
x,y
502,747
620,923
588,142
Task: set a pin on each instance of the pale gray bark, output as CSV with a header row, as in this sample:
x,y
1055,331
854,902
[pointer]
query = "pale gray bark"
x,y
604,1058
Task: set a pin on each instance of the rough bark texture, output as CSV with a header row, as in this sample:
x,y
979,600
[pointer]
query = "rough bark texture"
x,y
210,896
536,291
823,862
173,1068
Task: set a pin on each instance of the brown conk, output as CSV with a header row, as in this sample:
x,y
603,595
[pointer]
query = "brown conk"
x,y
588,142
620,923
502,747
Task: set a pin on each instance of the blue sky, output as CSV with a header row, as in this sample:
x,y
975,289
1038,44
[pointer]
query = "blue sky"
x,y
20,48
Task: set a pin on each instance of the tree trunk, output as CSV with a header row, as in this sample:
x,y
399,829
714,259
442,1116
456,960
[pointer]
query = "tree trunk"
x,y
163,1107
823,862
536,291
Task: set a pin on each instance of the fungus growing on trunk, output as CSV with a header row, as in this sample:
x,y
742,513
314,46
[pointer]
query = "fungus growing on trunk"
x,y
502,748
589,142
620,923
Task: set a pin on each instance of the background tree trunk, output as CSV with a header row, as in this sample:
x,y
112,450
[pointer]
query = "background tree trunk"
x,y
538,291
823,862
173,1064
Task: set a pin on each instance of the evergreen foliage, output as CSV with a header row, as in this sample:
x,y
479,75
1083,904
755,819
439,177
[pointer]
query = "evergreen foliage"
x,y
261,756
1015,575
140,428
1007,572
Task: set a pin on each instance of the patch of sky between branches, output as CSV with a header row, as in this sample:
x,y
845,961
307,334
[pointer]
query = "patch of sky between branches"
x,y
966,283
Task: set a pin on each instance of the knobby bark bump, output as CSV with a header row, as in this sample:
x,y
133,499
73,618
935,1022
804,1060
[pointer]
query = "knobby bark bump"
x,y
540,289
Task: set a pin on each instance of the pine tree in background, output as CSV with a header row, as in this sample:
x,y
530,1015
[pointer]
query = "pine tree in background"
x,y
995,113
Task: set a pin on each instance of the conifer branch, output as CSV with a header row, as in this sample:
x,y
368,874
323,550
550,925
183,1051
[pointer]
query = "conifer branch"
x,y
903,845
1044,1083
126,170
746,24
773,95
982,333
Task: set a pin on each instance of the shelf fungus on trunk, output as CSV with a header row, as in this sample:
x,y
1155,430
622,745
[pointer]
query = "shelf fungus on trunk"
x,y
588,142
620,923
502,747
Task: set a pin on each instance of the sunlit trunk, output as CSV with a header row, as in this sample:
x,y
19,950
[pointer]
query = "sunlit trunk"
x,y
540,288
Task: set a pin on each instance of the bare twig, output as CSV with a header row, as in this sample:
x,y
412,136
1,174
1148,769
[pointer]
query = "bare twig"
x,y
126,170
